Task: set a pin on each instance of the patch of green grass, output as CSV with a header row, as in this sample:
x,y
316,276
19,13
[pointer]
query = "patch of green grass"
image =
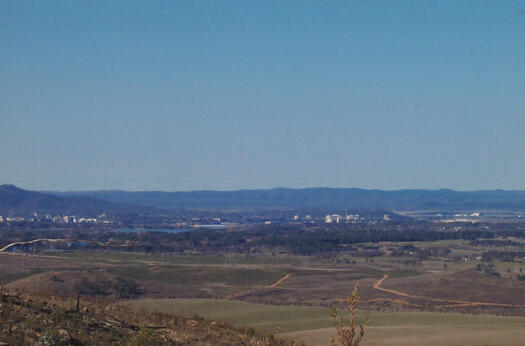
x,y
123,257
267,318
7,278
283,319
201,275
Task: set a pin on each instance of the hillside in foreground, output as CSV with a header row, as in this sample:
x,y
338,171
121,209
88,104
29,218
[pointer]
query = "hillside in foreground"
x,y
34,320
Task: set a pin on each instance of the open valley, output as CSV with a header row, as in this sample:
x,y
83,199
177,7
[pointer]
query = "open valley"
x,y
445,292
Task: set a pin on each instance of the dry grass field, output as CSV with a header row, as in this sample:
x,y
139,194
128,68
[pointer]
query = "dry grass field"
x,y
293,281
313,325
441,299
486,334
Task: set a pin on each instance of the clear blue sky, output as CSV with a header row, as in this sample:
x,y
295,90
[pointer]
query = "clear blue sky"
x,y
185,95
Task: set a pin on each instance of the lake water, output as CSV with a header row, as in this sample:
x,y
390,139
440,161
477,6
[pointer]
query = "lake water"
x,y
167,230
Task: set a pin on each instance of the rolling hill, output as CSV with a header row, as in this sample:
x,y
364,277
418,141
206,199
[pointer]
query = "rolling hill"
x,y
19,202
318,198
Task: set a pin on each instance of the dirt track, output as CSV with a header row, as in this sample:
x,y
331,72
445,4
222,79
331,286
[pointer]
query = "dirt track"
x,y
450,303
286,277
274,285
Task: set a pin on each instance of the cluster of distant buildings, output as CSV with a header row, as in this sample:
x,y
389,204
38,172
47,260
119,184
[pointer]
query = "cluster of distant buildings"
x,y
11,219
336,218
72,219
329,218
62,219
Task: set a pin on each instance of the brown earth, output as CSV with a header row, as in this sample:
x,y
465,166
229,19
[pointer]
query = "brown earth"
x,y
39,320
460,291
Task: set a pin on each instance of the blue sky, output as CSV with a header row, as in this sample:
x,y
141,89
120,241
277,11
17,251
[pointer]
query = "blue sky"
x,y
186,95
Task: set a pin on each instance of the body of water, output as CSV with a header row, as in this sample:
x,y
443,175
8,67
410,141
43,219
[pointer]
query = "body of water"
x,y
174,230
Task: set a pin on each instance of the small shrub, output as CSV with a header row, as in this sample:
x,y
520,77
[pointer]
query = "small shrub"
x,y
353,334
146,337
49,338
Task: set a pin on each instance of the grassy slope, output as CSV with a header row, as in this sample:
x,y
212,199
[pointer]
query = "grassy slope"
x,y
32,320
313,324
270,318
416,335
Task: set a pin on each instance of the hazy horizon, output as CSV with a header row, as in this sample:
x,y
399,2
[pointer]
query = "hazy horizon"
x,y
254,189
183,96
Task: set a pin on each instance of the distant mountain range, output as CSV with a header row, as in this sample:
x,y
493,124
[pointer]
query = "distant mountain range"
x,y
316,198
19,202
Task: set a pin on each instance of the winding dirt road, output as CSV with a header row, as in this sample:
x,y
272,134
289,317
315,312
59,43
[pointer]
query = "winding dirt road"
x,y
281,280
274,285
450,303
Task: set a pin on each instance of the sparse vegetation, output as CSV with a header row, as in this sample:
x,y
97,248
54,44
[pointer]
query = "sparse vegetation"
x,y
428,270
488,269
55,321
353,333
